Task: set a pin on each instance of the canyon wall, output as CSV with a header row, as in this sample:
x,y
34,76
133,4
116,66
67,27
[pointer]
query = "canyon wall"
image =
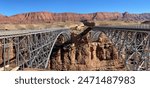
x,y
85,55
47,17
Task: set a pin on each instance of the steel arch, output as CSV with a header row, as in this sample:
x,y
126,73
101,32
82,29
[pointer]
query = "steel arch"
x,y
45,52
66,34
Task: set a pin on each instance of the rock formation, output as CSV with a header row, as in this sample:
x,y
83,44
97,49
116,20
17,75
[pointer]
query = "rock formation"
x,y
47,17
86,55
8,53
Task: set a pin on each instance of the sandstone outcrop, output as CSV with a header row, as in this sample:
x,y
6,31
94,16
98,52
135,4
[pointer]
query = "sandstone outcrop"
x,y
86,55
8,53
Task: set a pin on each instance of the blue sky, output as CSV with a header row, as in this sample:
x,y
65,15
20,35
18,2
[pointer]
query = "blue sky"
x,y
11,7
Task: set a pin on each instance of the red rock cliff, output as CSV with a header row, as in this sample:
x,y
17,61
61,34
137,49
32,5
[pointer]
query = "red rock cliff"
x,y
47,17
40,17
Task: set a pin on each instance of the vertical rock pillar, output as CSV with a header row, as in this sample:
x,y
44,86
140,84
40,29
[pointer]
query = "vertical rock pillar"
x,y
72,54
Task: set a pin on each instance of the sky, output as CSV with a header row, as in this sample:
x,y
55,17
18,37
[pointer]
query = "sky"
x,y
12,7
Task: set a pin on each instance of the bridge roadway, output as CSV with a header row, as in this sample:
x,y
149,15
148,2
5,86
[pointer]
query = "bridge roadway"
x,y
11,33
34,47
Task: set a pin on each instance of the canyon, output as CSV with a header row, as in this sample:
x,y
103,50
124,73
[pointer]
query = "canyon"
x,y
83,54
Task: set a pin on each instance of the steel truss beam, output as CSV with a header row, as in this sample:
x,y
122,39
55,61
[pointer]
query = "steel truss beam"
x,y
133,44
30,49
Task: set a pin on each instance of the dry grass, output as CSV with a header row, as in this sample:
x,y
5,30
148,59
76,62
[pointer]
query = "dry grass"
x,y
38,26
59,24
116,23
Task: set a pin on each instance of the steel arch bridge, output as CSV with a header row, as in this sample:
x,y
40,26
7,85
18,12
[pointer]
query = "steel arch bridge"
x,y
31,47
131,42
34,47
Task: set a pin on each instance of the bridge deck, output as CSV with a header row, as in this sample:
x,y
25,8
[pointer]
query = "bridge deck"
x,y
140,28
26,32
137,28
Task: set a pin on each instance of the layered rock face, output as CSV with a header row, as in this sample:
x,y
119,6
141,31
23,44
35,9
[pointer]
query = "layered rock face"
x,y
8,53
7,20
85,55
47,17
136,17
34,17
38,17
107,16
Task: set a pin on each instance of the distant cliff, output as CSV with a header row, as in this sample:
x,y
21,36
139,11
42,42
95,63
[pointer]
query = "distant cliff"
x,y
47,17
